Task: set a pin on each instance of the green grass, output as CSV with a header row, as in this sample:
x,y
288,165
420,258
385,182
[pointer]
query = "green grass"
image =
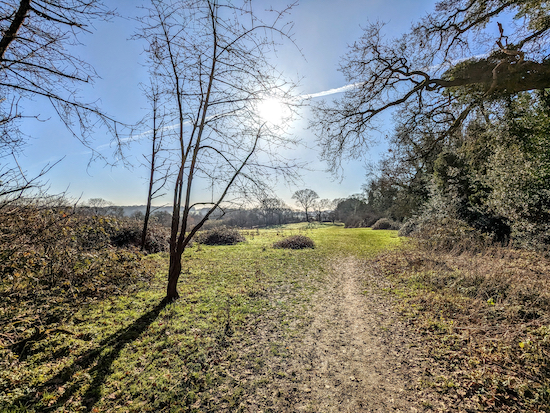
x,y
133,353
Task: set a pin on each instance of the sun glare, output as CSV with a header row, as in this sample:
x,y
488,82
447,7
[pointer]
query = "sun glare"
x,y
273,111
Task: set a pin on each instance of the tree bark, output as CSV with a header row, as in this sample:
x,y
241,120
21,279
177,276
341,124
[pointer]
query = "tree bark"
x,y
173,276
510,78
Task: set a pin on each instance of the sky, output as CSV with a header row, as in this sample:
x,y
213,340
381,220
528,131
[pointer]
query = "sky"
x,y
322,30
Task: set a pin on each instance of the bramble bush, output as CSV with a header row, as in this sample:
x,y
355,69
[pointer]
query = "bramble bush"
x,y
385,223
53,260
128,235
220,235
295,242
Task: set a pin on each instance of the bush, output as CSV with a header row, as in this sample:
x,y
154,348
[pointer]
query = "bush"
x,y
54,260
450,234
385,223
295,242
220,236
408,228
129,235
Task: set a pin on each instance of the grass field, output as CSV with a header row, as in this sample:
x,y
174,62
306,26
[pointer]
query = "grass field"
x,y
133,353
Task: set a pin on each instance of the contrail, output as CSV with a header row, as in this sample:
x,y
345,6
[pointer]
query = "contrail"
x,y
175,125
331,91
358,84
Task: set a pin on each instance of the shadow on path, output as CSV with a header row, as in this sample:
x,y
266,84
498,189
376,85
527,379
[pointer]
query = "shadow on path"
x,y
101,357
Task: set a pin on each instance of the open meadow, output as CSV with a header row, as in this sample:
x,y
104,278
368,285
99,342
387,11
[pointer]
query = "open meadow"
x,y
365,321
131,352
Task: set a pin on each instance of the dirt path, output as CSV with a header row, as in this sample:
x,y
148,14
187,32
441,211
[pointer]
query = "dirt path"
x,y
353,366
359,356
349,353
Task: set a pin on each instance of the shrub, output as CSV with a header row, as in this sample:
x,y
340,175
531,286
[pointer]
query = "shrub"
x,y
129,235
450,234
295,242
54,260
220,236
385,223
408,228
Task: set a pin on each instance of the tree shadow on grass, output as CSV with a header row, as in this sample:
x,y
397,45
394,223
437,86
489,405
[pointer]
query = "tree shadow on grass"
x,y
101,358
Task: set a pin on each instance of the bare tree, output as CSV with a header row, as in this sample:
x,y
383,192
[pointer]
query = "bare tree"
x,y
438,73
213,63
321,206
37,63
155,164
270,208
306,199
98,206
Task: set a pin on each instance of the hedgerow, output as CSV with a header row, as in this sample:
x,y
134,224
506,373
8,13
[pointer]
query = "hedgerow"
x,y
53,260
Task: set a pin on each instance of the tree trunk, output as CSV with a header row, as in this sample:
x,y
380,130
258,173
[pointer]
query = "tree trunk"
x,y
145,223
10,34
173,277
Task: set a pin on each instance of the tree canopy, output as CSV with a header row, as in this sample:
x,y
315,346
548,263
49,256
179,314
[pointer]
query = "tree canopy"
x,y
451,63
467,87
306,199
38,61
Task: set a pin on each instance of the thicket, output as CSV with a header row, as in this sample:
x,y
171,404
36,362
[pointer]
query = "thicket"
x,y
489,181
295,242
385,223
53,259
220,235
354,212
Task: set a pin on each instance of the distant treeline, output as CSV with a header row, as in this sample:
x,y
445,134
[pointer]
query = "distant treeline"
x,y
355,211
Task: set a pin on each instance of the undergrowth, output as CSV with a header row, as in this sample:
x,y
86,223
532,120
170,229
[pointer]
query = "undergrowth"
x,y
295,242
53,260
220,235
485,317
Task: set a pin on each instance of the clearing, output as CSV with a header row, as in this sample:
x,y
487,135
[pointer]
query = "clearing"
x,y
257,329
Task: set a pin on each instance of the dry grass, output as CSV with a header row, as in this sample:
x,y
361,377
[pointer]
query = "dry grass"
x,y
486,316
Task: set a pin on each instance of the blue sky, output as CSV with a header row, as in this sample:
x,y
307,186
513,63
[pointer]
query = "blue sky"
x,y
323,29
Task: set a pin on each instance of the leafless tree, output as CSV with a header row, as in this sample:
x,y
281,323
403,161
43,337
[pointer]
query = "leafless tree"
x,y
37,63
159,170
306,198
438,73
271,207
212,61
322,205
98,206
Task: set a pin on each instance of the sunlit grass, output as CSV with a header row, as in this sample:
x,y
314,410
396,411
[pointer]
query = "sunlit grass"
x,y
134,353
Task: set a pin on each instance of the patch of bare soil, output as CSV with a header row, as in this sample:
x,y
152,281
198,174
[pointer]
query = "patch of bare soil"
x,y
349,363
345,351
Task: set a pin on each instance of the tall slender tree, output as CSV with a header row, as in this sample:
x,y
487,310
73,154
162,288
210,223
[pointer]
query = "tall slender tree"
x,y
213,63
158,172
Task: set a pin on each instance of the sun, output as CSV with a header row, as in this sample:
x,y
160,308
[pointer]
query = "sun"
x,y
273,111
